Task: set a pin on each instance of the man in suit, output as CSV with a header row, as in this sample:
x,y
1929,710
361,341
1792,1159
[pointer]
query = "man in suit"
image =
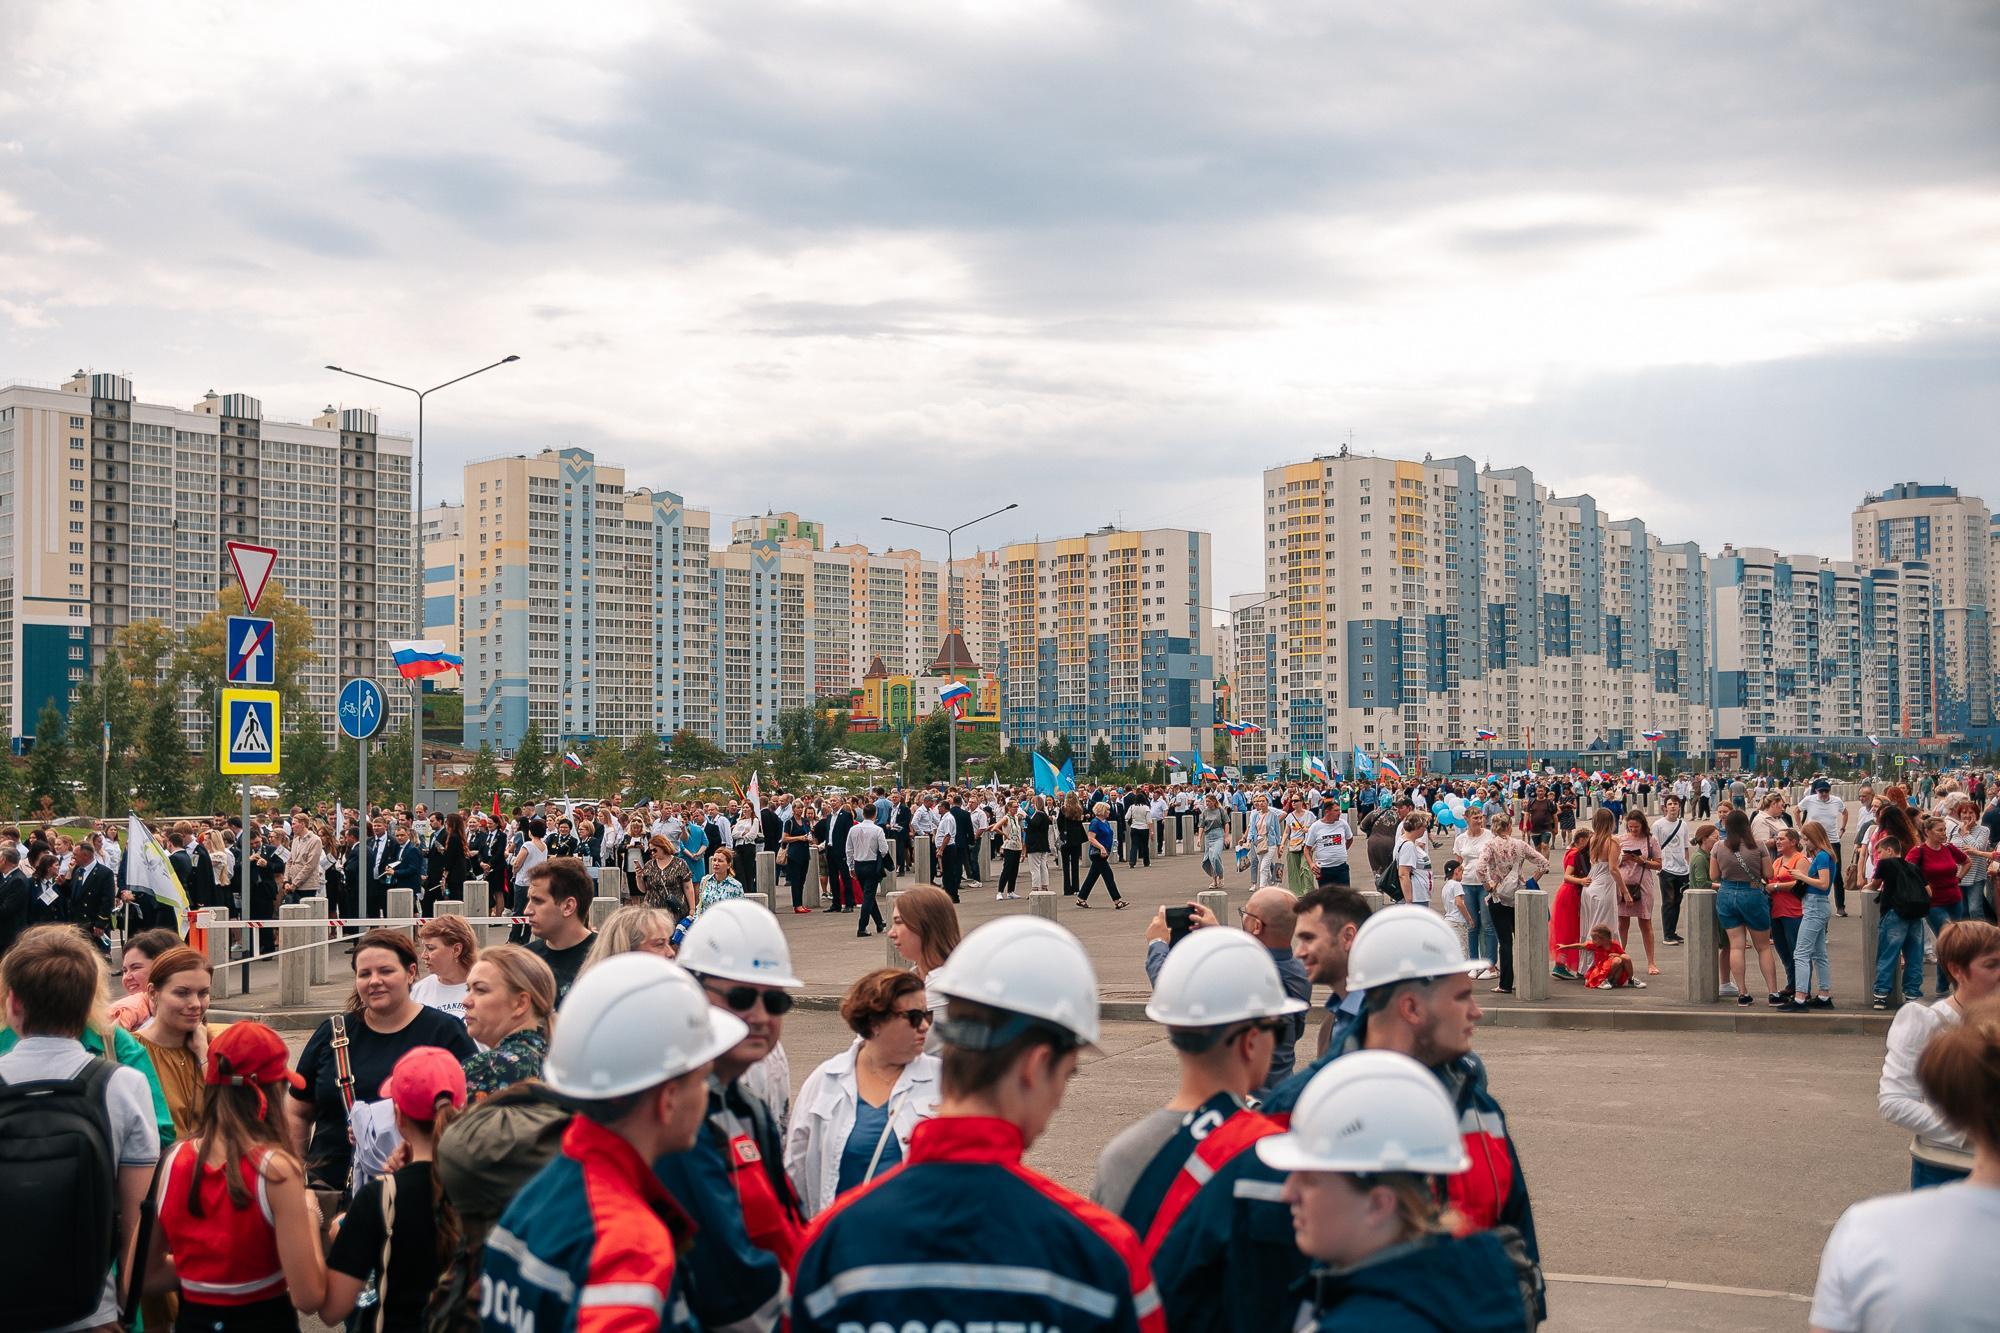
x,y
93,889
840,822
773,826
17,901
183,863
408,872
382,854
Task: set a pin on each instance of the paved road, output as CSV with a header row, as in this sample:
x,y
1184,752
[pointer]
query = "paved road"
x,y
1698,1160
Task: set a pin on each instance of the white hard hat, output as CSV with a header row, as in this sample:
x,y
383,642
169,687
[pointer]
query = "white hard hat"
x,y
1027,966
1219,976
738,940
631,1022
1370,1111
1404,943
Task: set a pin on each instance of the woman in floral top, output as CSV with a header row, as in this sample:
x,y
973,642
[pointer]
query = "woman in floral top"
x,y
509,996
720,884
1506,861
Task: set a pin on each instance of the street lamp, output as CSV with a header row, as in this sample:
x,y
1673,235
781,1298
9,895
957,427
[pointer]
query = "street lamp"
x,y
417,563
950,594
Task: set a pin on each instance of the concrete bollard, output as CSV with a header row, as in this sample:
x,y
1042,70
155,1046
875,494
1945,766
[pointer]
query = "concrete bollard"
x,y
1871,948
1043,903
890,957
316,960
1164,840
212,919
926,860
601,908
292,967
1704,943
457,907
403,903
1531,944
767,878
887,888
1239,824
1216,901
1377,900
819,893
612,883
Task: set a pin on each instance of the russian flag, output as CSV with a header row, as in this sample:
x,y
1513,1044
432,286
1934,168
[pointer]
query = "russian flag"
x,y
1173,762
1316,768
416,658
1875,742
955,696
1390,768
1652,735
1485,733
571,759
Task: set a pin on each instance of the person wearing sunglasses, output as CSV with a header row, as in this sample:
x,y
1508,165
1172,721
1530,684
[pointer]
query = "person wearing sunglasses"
x,y
732,1181
855,1113
1225,1007
964,1228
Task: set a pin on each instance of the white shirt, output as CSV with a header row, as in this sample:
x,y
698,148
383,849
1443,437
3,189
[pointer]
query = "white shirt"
x,y
1899,1096
1912,1263
1673,836
1469,848
1412,853
1454,902
432,991
1825,812
866,842
924,822
823,1118
1328,839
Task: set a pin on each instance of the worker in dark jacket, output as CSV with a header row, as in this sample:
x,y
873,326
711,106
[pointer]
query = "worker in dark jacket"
x,y
963,1226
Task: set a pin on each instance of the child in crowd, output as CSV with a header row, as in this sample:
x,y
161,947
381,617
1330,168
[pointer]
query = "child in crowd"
x,y
1454,902
1610,969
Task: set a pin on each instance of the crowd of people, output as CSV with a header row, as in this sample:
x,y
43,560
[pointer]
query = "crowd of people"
x,y
528,1135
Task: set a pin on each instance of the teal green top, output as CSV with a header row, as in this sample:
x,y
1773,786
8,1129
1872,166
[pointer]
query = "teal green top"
x,y
131,1054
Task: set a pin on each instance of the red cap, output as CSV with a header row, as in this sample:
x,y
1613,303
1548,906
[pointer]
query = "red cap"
x,y
249,1055
421,1077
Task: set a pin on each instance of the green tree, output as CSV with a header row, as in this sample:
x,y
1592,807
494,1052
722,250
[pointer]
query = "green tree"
x,y
48,762
1222,750
646,766
1057,751
13,782
1100,759
107,694
307,772
164,767
531,765
930,747
481,780
389,765
690,752
603,767
805,735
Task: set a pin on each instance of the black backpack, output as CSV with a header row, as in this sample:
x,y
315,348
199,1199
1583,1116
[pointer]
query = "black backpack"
x,y
1903,889
58,1166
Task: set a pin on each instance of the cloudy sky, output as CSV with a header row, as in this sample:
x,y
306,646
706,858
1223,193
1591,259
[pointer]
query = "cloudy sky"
x,y
1723,265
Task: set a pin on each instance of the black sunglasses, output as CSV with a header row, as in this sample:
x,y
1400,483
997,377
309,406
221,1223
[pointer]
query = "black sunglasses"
x,y
742,999
916,1018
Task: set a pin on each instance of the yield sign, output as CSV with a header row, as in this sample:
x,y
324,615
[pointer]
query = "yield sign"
x,y
253,569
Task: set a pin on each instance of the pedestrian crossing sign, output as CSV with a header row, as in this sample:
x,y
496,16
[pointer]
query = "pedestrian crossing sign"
x,y
250,731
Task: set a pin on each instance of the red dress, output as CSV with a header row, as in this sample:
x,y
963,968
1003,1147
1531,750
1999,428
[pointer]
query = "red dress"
x,y
1611,965
1566,916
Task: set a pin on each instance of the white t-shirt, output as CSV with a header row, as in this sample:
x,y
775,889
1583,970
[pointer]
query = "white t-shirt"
x,y
1910,1263
431,991
1328,839
1825,812
1468,847
1454,902
1673,835
135,1134
1411,852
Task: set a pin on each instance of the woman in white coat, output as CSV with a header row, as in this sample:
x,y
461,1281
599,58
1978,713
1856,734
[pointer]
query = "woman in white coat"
x,y
853,1117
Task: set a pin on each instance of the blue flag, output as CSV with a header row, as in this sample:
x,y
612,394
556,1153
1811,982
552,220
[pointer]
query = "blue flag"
x,y
1066,780
1364,767
1046,778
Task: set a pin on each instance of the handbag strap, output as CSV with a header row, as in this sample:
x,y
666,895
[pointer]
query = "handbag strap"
x,y
388,1236
343,1068
888,1128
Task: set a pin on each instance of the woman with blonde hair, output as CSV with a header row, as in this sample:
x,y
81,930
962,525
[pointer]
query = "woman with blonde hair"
x,y
449,949
510,1005
637,929
178,1033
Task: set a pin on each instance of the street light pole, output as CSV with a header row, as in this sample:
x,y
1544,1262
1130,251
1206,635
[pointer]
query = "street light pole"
x,y
417,562
951,598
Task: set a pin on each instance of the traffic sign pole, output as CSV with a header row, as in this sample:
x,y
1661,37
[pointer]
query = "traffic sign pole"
x,y
367,857
360,713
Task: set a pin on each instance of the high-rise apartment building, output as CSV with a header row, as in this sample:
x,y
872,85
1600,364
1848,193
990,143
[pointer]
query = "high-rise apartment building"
x,y
1253,673
867,605
1105,639
763,655
1414,603
785,527
114,511
1951,534
1811,649
586,607
442,530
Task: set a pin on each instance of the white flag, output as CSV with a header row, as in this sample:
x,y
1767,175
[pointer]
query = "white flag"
x,y
751,794
147,870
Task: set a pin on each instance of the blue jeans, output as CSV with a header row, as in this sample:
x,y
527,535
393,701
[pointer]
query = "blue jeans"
x,y
1898,936
1924,1176
1810,963
1977,899
1939,918
1785,944
1483,942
